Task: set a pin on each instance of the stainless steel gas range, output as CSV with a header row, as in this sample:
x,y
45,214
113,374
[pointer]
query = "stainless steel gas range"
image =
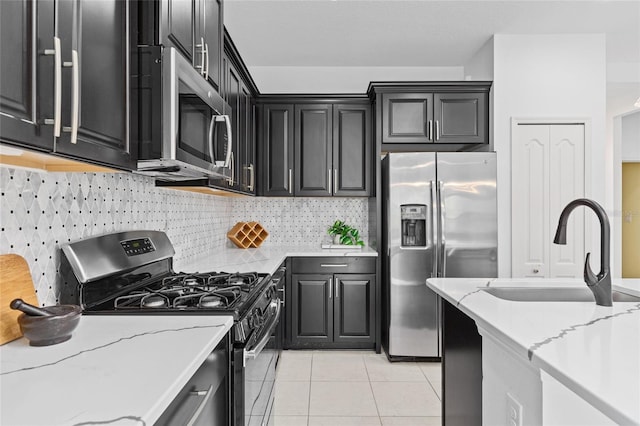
x,y
131,273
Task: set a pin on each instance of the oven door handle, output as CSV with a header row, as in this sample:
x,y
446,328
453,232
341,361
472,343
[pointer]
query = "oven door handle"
x,y
253,353
207,396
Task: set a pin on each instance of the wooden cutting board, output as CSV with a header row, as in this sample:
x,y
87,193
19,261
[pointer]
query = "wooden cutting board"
x,y
15,282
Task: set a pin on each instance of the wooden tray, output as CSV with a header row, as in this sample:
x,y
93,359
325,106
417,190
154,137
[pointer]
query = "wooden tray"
x,y
15,282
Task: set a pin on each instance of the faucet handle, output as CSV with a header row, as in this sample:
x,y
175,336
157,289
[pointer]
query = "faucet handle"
x,y
589,277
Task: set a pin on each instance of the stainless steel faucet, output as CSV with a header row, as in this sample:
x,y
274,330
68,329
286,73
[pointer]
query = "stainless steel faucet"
x,y
600,285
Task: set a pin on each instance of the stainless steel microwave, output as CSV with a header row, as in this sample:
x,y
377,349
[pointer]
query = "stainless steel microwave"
x,y
183,124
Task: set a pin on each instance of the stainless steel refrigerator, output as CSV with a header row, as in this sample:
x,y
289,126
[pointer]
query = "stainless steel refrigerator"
x,y
439,219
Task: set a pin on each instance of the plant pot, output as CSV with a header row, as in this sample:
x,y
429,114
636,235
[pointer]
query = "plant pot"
x,y
336,239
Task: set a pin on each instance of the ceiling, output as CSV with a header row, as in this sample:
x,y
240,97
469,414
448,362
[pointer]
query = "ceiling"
x,y
400,33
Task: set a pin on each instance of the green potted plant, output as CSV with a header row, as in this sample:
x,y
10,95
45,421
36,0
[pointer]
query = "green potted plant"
x,y
345,234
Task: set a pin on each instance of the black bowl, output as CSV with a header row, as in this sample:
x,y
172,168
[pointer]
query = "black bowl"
x,y
50,330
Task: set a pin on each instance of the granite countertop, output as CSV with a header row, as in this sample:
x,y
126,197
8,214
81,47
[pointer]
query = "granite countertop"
x,y
592,350
121,370
265,259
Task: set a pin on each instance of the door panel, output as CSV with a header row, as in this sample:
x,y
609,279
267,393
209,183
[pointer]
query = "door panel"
x,y
351,150
354,308
468,198
547,173
99,32
313,168
630,220
26,74
566,180
211,21
312,314
277,149
178,25
460,117
405,117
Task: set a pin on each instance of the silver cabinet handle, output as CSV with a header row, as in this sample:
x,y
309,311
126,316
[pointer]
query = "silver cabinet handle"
x,y
430,130
330,287
57,87
252,177
75,96
437,130
207,396
337,288
205,64
334,265
335,180
329,188
290,181
202,55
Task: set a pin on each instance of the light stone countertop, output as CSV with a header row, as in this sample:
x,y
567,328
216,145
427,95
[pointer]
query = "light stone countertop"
x,y
116,369
264,259
592,350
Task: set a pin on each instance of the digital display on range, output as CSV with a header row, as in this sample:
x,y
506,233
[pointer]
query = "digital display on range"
x,y
137,247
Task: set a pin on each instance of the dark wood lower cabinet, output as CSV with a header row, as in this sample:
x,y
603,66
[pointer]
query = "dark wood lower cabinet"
x,y
332,311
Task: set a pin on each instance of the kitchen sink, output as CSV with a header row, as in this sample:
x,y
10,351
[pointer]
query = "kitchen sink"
x,y
553,294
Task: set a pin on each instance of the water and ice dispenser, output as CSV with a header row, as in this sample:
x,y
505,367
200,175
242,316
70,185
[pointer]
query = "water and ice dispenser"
x,y
414,225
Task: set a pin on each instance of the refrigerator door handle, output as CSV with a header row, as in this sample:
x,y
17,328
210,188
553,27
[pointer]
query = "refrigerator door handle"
x,y
442,262
432,233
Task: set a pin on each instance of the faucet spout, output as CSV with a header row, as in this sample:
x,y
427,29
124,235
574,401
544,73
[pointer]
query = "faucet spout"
x,y
599,284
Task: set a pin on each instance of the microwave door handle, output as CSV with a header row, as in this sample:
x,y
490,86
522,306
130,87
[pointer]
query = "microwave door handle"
x,y
227,120
212,125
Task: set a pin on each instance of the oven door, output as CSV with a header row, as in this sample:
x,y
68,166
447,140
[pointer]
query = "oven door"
x,y
260,362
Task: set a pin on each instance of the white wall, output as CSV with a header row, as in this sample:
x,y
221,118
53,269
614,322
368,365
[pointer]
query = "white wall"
x,y
549,76
480,66
342,79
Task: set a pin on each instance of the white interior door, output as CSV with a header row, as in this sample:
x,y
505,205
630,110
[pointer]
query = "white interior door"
x,y
547,172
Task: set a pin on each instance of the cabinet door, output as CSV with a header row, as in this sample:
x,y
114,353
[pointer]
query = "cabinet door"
x,y
247,159
461,118
277,149
26,74
177,26
407,117
354,308
351,150
210,30
237,125
312,309
313,133
98,32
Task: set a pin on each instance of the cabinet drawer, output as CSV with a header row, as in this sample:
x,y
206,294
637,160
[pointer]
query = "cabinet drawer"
x,y
331,265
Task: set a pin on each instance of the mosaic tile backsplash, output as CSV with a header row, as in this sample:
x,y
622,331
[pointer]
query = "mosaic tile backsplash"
x,y
39,211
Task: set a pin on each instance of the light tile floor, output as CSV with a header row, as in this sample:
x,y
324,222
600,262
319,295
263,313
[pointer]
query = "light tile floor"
x,y
355,388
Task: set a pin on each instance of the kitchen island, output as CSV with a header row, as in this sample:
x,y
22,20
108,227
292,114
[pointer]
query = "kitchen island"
x,y
116,369
552,362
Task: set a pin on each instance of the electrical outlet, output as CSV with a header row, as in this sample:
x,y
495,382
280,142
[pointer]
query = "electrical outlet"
x,y
514,411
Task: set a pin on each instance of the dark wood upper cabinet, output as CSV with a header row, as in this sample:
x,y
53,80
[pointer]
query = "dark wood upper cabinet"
x,y
27,73
460,117
407,117
195,28
91,76
95,40
351,149
276,149
209,33
313,173
426,113
329,153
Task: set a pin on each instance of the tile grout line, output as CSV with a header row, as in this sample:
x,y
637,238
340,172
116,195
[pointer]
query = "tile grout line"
x,y
371,387
310,384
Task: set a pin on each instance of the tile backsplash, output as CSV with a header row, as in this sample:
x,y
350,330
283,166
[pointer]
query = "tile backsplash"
x,y
39,211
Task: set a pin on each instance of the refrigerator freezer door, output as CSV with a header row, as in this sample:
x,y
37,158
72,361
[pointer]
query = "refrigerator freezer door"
x,y
469,242
413,308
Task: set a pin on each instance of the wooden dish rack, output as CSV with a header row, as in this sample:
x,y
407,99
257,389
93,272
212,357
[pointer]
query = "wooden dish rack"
x,y
247,234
